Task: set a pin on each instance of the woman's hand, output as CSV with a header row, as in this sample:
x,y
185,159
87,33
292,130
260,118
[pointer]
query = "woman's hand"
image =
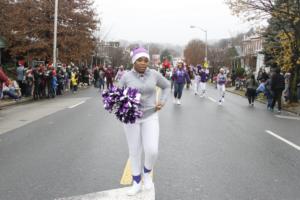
x,y
159,106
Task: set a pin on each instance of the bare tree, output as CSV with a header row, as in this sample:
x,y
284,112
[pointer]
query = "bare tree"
x,y
194,52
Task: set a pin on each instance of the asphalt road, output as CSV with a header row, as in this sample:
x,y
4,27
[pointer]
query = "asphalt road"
x,y
71,146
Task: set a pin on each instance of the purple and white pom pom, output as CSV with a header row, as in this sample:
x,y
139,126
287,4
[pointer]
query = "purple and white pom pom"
x,y
124,102
110,97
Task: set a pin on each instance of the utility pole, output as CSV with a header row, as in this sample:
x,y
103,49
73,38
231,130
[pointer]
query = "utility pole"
x,y
205,31
55,34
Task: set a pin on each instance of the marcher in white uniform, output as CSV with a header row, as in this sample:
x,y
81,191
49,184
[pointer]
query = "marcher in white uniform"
x,y
144,134
221,81
204,73
196,71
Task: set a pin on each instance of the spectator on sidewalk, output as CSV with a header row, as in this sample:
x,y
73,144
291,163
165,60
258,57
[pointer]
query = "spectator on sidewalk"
x,y
264,76
12,90
74,80
286,91
3,81
251,86
277,86
298,89
21,78
28,82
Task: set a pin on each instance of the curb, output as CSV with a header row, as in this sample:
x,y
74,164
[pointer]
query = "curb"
x,y
13,102
287,110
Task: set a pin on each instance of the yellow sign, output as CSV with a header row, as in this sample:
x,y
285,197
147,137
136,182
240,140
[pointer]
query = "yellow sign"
x,y
205,64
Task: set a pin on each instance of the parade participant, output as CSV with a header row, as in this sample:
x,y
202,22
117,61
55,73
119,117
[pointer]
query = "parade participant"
x,y
165,66
189,71
196,71
172,78
101,78
144,133
204,74
120,73
181,77
109,75
221,81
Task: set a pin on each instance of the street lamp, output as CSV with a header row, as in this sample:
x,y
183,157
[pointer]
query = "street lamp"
x,y
205,39
55,34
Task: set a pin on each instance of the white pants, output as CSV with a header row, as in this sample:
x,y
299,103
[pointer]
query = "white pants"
x,y
144,134
203,87
197,82
221,89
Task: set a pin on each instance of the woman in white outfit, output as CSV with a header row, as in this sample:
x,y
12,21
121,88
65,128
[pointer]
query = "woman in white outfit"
x,y
196,71
144,134
221,81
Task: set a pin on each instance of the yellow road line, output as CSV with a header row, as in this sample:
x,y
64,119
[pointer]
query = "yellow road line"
x,y
127,177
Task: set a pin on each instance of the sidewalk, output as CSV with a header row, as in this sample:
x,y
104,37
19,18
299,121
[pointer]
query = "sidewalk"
x,y
10,102
293,107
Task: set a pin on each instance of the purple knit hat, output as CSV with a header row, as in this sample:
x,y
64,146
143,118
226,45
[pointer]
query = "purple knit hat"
x,y
138,53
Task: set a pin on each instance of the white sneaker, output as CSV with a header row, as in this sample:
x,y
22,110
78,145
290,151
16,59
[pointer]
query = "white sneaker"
x,y
178,102
135,188
220,102
174,101
223,100
148,183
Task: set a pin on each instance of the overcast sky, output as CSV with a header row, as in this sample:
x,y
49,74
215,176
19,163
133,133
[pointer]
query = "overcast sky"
x,y
167,21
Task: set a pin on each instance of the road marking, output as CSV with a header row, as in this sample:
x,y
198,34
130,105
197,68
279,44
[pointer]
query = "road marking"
x,y
77,104
284,140
212,99
126,177
116,194
287,117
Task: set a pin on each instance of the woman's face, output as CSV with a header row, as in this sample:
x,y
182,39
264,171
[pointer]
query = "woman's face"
x,y
141,64
180,65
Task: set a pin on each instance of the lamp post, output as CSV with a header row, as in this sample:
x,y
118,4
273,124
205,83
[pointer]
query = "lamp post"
x,y
55,34
205,31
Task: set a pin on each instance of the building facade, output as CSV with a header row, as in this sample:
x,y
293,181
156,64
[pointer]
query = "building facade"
x,y
252,57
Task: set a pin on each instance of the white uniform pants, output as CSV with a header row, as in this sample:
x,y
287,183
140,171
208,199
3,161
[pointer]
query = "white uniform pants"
x,y
143,135
221,89
197,83
203,87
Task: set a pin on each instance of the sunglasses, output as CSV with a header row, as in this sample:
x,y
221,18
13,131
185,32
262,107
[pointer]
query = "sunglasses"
x,y
143,59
